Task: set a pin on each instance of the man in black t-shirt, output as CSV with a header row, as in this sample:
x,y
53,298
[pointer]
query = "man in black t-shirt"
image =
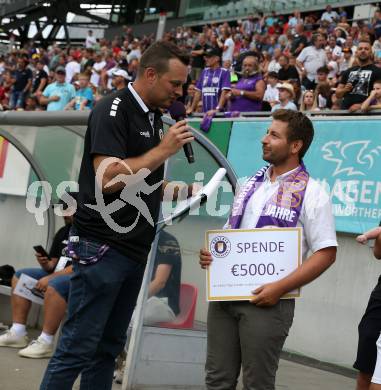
x,y
23,82
287,72
198,52
164,290
88,60
299,41
120,189
356,83
40,79
168,254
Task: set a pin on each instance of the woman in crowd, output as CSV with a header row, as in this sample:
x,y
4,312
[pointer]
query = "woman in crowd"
x,y
308,101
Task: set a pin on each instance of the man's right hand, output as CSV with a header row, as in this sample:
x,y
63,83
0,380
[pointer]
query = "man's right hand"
x,y
175,138
205,258
362,239
348,87
43,261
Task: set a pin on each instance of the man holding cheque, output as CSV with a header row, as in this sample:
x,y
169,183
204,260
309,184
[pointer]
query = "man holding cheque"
x,y
281,195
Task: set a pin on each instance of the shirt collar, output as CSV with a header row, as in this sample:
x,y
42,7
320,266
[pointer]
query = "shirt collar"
x,y
138,98
280,177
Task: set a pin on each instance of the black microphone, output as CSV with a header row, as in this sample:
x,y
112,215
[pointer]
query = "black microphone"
x,y
178,113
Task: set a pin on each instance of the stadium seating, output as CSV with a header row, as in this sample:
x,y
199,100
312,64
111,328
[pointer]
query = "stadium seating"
x,y
188,299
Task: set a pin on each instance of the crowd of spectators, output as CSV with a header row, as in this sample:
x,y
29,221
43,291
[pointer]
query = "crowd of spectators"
x,y
318,61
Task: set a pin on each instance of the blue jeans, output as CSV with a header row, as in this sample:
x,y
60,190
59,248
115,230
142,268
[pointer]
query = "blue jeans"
x,y
101,301
17,99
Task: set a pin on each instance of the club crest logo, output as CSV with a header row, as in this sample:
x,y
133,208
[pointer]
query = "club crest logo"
x,y
220,246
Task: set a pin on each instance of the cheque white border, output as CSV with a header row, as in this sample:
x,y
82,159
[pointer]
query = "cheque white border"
x,y
249,297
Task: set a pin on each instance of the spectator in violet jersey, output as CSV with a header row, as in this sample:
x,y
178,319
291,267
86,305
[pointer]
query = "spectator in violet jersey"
x,y
213,85
248,93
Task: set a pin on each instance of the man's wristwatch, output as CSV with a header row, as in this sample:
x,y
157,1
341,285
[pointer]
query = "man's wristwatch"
x,y
242,92
217,108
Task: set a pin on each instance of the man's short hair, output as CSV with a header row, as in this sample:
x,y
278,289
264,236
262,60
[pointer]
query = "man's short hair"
x,y
84,75
365,39
158,55
315,36
299,126
274,75
377,82
323,69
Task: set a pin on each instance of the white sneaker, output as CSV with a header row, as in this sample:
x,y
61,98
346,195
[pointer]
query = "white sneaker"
x,y
37,349
118,376
10,339
119,373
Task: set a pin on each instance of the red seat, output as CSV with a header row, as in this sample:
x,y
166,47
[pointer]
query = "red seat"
x,y
188,299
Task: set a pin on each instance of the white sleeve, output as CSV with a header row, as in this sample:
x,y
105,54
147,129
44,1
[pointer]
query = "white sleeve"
x,y
266,96
317,218
303,55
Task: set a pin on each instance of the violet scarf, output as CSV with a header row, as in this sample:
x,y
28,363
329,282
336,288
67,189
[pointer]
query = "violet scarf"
x,y
282,209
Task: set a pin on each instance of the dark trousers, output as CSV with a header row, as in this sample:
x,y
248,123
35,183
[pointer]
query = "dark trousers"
x,y
308,84
17,99
242,334
101,301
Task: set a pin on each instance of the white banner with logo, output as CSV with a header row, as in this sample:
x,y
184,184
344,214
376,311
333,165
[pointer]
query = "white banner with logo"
x,y
244,260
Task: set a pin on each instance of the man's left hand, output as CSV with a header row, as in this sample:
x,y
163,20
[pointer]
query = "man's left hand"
x,y
235,92
267,295
42,284
354,107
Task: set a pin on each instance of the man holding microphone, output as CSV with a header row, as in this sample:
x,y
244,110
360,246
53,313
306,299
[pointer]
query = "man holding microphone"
x,y
251,333
125,150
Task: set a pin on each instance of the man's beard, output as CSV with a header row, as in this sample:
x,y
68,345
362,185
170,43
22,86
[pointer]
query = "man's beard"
x,y
363,61
247,74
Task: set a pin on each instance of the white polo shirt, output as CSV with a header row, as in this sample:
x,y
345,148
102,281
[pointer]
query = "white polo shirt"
x,y
228,53
316,217
312,59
